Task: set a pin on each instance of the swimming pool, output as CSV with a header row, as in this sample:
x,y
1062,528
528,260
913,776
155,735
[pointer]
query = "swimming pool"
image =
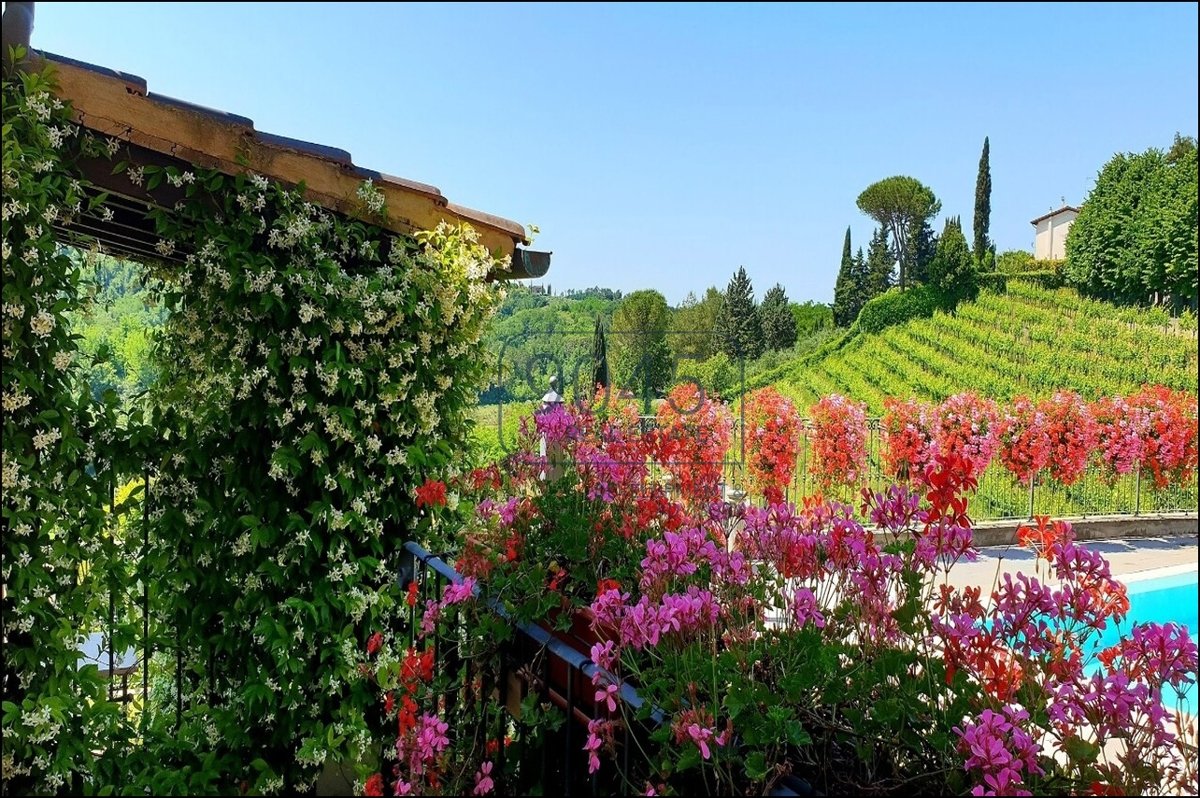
x,y
1159,599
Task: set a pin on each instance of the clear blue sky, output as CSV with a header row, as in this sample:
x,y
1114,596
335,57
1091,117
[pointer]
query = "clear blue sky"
x,y
664,146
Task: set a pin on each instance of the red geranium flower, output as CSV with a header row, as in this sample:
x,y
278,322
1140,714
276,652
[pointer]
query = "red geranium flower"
x,y
431,494
605,585
838,440
374,785
374,642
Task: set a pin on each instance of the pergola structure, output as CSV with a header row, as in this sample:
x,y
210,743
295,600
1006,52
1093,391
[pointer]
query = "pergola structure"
x,y
158,130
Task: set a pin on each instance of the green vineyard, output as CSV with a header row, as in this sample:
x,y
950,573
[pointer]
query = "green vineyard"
x,y
1026,341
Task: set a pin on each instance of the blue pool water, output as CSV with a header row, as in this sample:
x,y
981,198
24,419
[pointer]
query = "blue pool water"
x,y
1160,600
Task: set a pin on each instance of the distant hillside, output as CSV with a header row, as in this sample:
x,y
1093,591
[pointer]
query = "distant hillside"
x,y
1026,340
533,335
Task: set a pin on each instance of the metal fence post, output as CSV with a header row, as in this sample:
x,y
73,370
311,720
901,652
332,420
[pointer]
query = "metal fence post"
x,y
1137,490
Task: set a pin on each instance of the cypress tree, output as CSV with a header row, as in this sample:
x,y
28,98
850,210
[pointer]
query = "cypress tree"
x,y
922,246
983,204
739,329
778,323
859,279
952,270
881,262
844,289
599,356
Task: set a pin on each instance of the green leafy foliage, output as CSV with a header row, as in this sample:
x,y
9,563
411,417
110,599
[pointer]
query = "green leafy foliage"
x,y
952,272
600,374
693,326
319,412
811,317
535,336
998,281
778,323
847,289
897,307
640,353
116,327
59,461
1134,241
904,206
880,264
719,375
851,294
1019,261
739,329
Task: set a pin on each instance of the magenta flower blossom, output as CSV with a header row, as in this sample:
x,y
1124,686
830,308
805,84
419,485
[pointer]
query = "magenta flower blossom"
x,y
1000,751
458,592
604,655
429,618
609,607
700,736
1161,654
508,512
805,609
599,731
430,739
483,779
894,510
558,425
608,694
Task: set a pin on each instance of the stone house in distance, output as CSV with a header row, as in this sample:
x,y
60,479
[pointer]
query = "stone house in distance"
x,y
1050,236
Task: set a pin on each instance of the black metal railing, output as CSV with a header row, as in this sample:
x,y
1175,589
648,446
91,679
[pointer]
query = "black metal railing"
x,y
999,496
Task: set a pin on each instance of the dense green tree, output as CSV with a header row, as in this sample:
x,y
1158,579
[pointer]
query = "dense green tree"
x,y
880,264
811,317
860,278
599,356
1134,241
693,336
641,357
719,377
983,205
739,331
850,294
1181,148
595,292
904,206
952,271
778,323
846,291
922,246
1015,261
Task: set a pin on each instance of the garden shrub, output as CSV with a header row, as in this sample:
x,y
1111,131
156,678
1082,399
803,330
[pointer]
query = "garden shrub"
x,y
998,281
897,307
